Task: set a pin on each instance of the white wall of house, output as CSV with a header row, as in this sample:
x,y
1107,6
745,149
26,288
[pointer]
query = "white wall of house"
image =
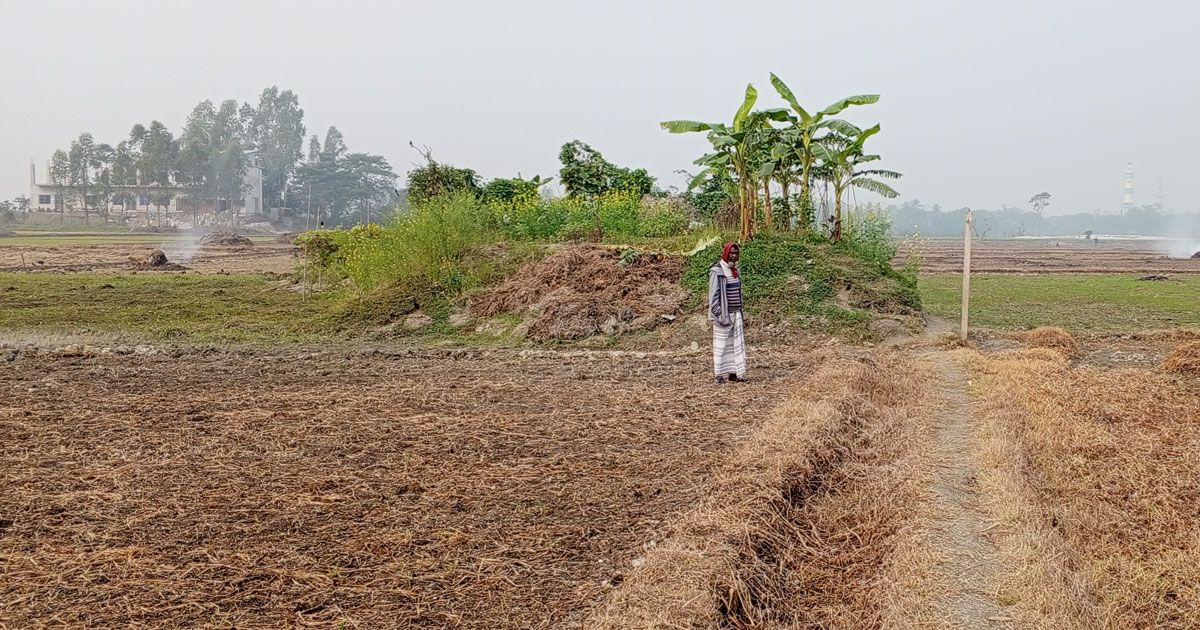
x,y
252,202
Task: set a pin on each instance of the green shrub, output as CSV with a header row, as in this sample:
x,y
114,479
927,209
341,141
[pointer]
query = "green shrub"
x,y
661,218
324,248
615,213
868,235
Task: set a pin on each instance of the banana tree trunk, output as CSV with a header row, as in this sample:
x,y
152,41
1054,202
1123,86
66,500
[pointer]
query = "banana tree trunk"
x,y
787,202
744,215
767,196
837,215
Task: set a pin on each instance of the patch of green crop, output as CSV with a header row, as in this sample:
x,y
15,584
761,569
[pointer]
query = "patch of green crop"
x,y
189,307
1077,302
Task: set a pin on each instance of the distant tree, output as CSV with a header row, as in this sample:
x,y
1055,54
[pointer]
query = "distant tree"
x,y
343,184
196,149
123,172
434,179
314,149
1039,202
159,162
276,128
82,157
105,156
585,173
230,153
60,178
335,144
22,203
212,160
501,189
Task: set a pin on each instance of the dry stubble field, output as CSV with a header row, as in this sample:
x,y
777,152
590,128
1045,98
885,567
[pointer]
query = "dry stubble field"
x,y
283,486
1140,256
258,489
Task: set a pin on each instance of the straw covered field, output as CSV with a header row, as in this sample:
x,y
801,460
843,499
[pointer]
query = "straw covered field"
x,y
427,488
1092,478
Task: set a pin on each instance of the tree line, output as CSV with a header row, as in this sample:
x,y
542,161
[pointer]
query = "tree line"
x,y
585,174
914,218
209,158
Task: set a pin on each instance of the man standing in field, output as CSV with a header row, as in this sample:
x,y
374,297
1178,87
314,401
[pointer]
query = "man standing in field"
x,y
725,314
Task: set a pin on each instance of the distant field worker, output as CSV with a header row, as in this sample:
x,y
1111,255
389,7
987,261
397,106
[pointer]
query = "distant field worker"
x,y
725,314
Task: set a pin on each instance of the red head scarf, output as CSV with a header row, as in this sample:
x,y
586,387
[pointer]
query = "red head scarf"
x,y
725,257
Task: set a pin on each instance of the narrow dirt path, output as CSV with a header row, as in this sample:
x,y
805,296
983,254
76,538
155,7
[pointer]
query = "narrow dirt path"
x,y
967,579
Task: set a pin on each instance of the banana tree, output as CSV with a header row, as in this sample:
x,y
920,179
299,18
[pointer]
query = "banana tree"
x,y
734,148
844,156
807,127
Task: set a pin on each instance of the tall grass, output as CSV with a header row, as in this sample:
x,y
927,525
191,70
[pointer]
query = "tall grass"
x,y
617,213
424,247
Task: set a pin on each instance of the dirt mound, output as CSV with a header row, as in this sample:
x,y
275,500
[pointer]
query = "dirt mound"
x,y
287,238
1196,255
584,290
1154,277
157,261
225,239
1184,360
1051,337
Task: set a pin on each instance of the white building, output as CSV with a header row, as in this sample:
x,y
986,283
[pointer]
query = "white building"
x,y
151,200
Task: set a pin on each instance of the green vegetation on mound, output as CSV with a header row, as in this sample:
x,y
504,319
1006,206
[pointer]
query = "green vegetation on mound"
x,y
812,281
1076,302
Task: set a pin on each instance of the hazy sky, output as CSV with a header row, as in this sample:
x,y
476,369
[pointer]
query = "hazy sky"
x,y
983,103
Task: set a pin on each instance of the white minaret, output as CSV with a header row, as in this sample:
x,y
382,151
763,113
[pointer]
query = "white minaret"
x,y
1127,204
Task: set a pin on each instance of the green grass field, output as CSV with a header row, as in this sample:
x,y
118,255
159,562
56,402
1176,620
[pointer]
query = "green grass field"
x,y
195,307
1077,302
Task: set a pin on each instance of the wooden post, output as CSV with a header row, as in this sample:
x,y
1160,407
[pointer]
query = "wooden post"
x,y
966,286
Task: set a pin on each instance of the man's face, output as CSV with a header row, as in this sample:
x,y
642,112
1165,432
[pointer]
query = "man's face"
x,y
734,252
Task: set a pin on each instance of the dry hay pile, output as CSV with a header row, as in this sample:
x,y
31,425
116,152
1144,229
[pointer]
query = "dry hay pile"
x,y
287,238
1051,337
809,520
430,489
1095,488
584,290
1184,359
225,239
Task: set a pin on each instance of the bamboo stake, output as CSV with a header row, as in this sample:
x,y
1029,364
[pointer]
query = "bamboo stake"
x,y
966,287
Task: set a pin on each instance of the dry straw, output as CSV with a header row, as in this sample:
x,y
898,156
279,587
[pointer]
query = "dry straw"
x,y
269,488
584,290
1094,482
1051,337
1184,359
806,519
